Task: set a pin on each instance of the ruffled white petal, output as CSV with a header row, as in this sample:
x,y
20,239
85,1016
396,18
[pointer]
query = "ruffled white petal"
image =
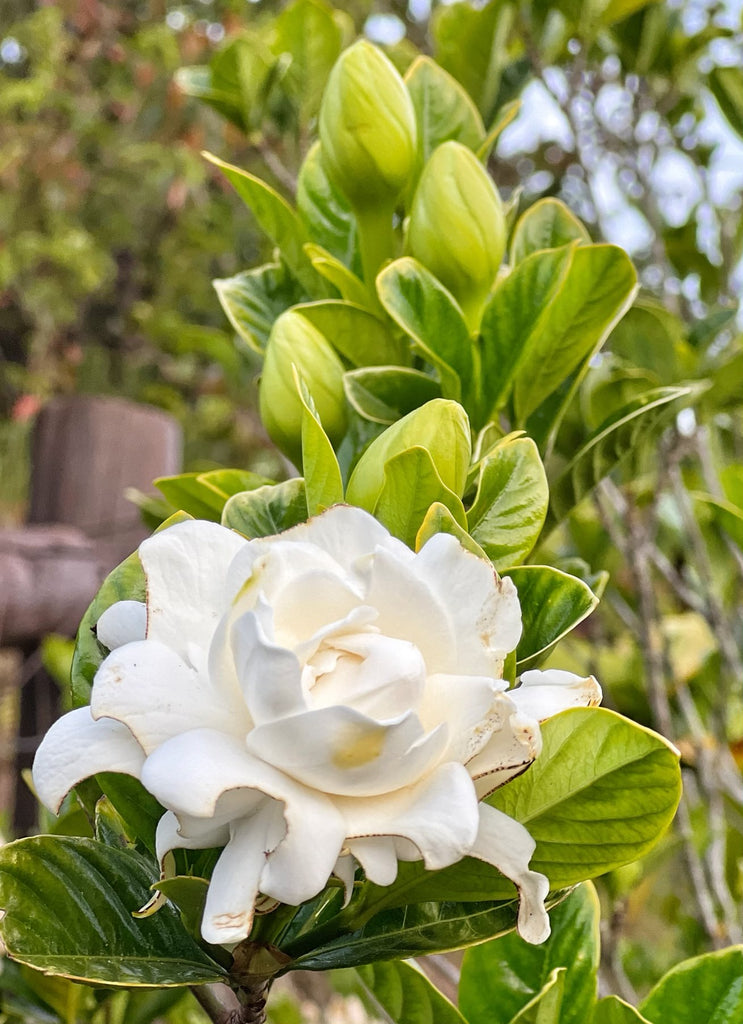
x,y
483,608
270,675
438,816
77,747
543,694
185,567
507,845
469,705
122,623
198,834
514,743
146,686
339,751
377,856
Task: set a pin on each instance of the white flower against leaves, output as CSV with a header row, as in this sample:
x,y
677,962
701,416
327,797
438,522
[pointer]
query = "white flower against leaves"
x,y
312,702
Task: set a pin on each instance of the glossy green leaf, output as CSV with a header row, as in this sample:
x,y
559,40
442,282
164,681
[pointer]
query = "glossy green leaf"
x,y
78,921
545,1007
439,519
139,809
614,442
276,218
726,84
322,474
188,894
347,283
226,482
411,485
613,1010
406,995
253,299
443,110
307,31
354,332
384,394
185,491
706,988
548,224
324,211
552,604
600,794
425,310
510,506
267,510
501,977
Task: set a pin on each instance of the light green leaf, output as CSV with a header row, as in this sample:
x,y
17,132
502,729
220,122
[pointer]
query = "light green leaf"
x,y
276,218
500,978
548,224
706,988
726,84
325,213
322,474
438,519
235,81
188,894
601,794
420,304
186,491
405,995
510,506
613,1010
354,332
545,1007
253,299
386,393
350,286
552,604
411,485
68,911
507,113
612,443
618,10
226,482
727,516
308,32
267,510
443,110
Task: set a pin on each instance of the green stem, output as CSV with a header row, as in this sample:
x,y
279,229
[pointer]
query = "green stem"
x,y
376,241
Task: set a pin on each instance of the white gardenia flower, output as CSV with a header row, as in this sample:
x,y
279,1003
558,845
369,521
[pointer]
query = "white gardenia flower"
x,y
315,701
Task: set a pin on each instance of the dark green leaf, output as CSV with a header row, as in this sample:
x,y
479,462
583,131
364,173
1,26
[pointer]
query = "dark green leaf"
x,y
406,995
267,510
501,977
387,393
68,911
139,809
548,224
726,84
510,506
253,299
707,988
552,604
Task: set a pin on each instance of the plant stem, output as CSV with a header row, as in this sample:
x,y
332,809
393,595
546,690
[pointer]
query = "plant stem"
x,y
376,241
224,1006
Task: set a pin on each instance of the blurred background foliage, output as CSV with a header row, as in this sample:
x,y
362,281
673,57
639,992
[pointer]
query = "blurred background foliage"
x,y
113,227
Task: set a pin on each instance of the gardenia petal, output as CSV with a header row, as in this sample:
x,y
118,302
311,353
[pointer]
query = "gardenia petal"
x,y
185,566
377,856
122,623
257,661
507,845
468,705
543,694
77,747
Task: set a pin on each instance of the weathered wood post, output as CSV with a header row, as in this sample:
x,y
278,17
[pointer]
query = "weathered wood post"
x,y
86,451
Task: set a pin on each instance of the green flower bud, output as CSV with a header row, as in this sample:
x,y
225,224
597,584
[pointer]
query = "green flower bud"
x,y
367,128
441,426
295,341
457,227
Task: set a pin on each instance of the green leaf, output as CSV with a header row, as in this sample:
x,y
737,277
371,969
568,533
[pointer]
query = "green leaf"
x,y
510,506
188,492
68,911
613,1010
552,604
507,113
267,510
411,485
188,893
438,519
406,996
324,212
726,85
139,809
618,10
600,794
545,1007
548,224
276,218
356,333
308,32
501,977
322,474
233,83
706,988
226,482
443,110
425,310
612,443
387,393
350,286
727,516
253,299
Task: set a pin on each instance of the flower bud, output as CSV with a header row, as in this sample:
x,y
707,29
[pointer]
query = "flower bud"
x,y
294,341
440,426
367,128
457,227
